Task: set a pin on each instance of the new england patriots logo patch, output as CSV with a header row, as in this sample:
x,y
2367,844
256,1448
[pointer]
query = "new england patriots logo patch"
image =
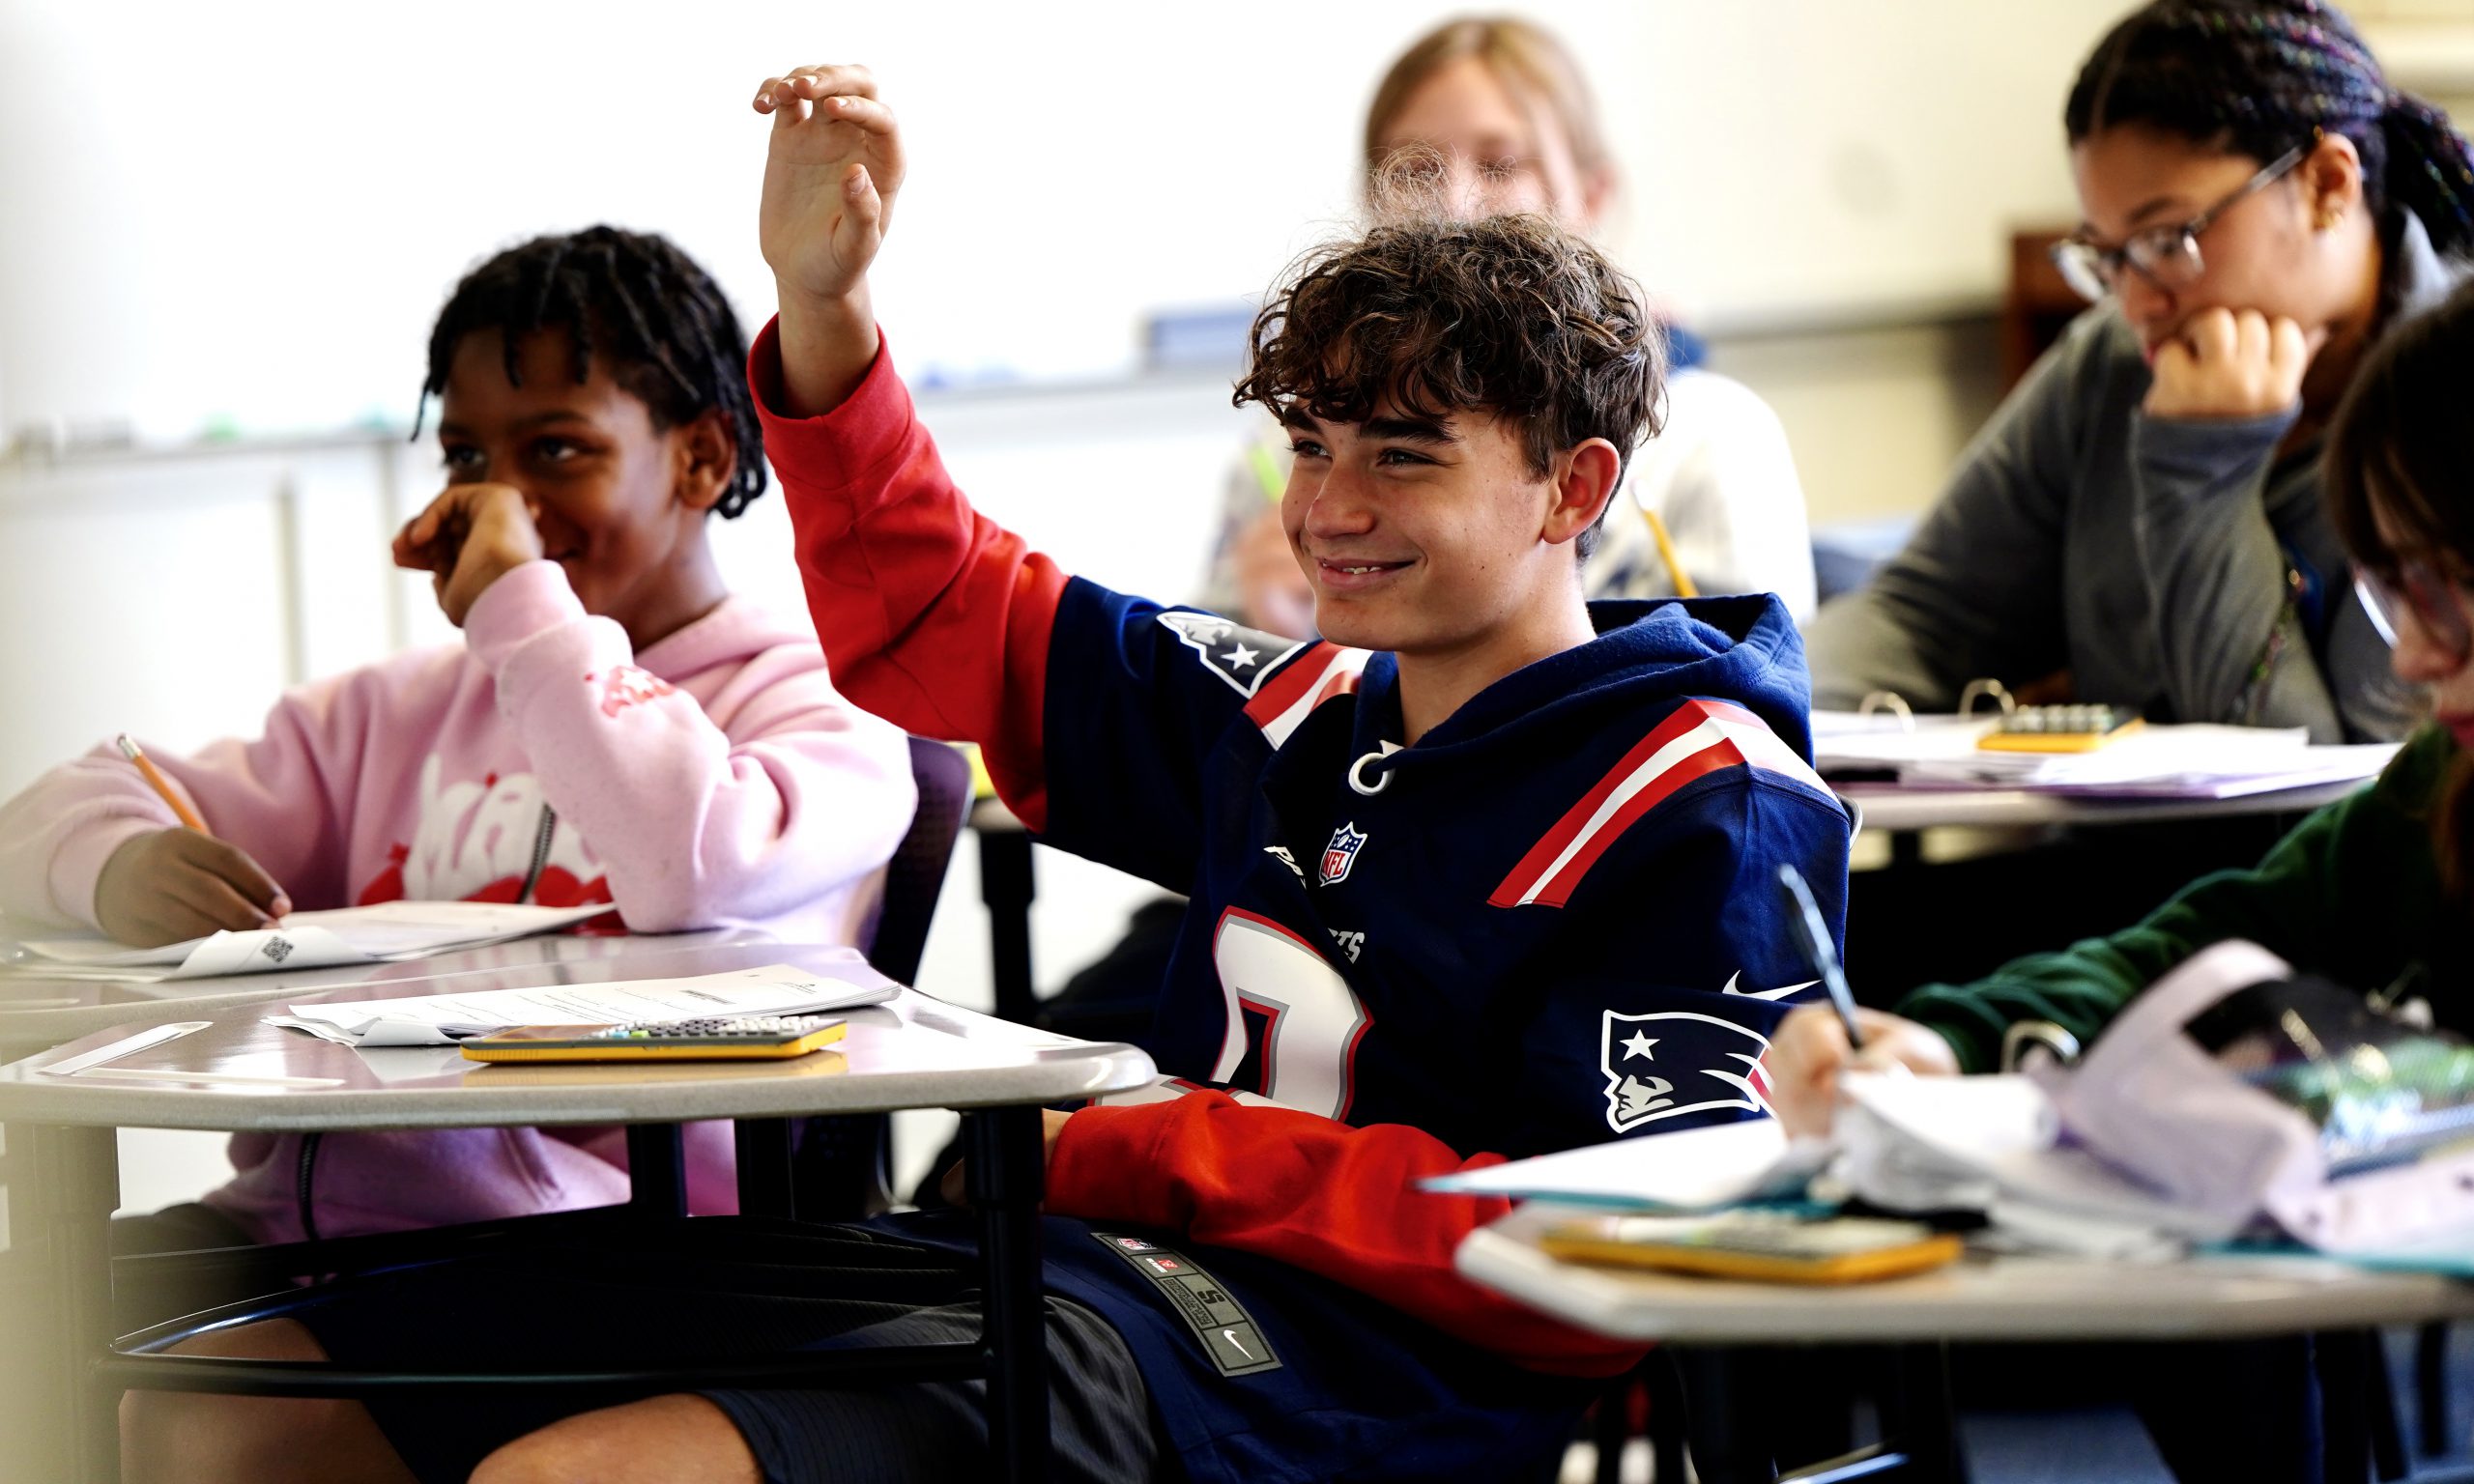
x,y
1339,855
1677,1062
1241,657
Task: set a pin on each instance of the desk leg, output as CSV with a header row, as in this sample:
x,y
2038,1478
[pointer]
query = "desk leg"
x,y
1007,1153
2430,1387
657,1169
79,1172
1928,1425
764,1177
2344,1360
1006,886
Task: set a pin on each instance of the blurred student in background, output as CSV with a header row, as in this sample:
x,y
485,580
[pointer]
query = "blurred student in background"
x,y
1504,111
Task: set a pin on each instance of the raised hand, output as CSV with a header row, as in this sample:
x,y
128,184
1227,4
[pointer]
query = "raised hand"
x,y
830,178
469,537
831,174
2226,363
174,885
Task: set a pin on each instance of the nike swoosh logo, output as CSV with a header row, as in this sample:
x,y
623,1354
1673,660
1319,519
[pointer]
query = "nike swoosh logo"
x,y
1230,1336
1763,994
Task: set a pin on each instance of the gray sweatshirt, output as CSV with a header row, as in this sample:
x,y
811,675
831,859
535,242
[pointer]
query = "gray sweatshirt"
x,y
2168,565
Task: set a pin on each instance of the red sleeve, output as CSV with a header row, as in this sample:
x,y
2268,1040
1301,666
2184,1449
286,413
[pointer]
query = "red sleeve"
x,y
1320,1195
931,615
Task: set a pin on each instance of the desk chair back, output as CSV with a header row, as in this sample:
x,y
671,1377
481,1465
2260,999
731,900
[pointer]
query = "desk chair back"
x,y
841,1168
916,874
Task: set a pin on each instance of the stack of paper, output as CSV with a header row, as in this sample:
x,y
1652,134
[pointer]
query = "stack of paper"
x,y
2176,762
1903,1143
441,1020
305,940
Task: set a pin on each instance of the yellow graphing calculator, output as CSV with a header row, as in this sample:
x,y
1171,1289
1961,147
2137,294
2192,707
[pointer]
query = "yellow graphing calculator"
x,y
1765,1247
745,1038
2059,729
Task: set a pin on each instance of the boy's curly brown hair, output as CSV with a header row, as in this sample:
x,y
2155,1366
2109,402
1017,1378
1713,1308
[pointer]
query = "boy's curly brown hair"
x,y
1511,316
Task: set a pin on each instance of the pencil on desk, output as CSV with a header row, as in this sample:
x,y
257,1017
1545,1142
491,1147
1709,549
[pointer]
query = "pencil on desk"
x,y
163,785
1683,587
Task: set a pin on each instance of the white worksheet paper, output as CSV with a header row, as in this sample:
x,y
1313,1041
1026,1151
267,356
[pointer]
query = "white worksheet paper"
x,y
442,1019
310,940
1694,1169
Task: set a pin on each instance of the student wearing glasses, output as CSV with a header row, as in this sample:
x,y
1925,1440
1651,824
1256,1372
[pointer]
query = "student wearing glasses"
x,y
2373,891
2140,521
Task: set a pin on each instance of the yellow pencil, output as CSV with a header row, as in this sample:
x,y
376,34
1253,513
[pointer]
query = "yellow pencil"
x,y
163,785
1267,471
1683,587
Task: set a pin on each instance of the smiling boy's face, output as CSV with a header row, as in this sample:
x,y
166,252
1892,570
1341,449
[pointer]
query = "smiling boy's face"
x,y
620,504
1424,538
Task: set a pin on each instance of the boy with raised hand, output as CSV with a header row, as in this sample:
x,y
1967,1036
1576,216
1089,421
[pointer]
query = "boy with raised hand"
x,y
1486,872
1488,867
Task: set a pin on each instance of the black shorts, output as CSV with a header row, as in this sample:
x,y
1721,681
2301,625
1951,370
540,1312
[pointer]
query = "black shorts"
x,y
732,1288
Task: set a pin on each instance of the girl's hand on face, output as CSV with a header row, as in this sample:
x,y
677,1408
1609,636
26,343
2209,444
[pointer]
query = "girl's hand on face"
x,y
830,178
469,537
1809,1050
175,885
2225,363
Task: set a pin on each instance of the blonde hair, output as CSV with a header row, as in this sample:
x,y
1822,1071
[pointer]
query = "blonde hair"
x,y
1525,57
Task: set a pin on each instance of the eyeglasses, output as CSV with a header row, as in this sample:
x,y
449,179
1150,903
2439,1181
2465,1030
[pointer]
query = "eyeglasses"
x,y
2435,601
2166,256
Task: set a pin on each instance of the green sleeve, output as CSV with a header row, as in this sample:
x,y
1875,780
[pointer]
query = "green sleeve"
x,y
2349,893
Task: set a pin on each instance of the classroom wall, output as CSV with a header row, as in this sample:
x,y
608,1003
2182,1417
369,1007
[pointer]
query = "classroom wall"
x,y
241,216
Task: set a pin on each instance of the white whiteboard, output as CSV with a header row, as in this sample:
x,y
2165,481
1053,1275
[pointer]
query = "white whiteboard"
x,y
246,216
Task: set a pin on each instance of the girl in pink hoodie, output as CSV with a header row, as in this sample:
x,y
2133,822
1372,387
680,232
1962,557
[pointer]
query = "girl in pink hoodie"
x,y
614,727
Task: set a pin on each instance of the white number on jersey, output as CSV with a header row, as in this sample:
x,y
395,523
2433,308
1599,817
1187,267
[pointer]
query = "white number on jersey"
x,y
1312,1020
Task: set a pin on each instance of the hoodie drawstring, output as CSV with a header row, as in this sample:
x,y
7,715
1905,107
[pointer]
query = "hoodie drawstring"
x,y
1357,769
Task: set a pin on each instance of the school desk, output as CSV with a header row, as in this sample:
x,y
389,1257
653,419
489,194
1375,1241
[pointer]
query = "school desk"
x,y
915,1053
1981,1298
1907,812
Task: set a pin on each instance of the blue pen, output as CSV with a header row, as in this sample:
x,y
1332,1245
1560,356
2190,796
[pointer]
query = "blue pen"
x,y
1804,915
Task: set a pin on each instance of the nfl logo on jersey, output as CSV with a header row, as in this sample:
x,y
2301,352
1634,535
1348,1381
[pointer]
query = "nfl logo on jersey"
x,y
1341,854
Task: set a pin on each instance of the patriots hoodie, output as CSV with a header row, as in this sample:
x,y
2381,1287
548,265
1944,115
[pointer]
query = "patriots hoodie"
x,y
715,780
1553,920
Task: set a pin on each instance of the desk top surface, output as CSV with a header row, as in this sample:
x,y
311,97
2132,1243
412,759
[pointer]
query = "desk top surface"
x,y
915,1052
1889,807
1978,1298
40,1009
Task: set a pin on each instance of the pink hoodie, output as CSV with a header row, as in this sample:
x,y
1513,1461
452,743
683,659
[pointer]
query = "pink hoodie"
x,y
717,780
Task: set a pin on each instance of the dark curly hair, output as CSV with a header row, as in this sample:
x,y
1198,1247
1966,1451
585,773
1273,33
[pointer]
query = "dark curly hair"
x,y
1509,314
2400,445
656,319
2258,77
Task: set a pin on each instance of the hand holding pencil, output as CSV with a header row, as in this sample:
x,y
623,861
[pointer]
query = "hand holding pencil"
x,y
1811,1047
168,886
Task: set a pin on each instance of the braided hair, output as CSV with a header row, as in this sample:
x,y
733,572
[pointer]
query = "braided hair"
x,y
2258,77
656,319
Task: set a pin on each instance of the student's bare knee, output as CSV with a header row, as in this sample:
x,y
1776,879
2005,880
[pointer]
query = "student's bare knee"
x,y
672,1439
